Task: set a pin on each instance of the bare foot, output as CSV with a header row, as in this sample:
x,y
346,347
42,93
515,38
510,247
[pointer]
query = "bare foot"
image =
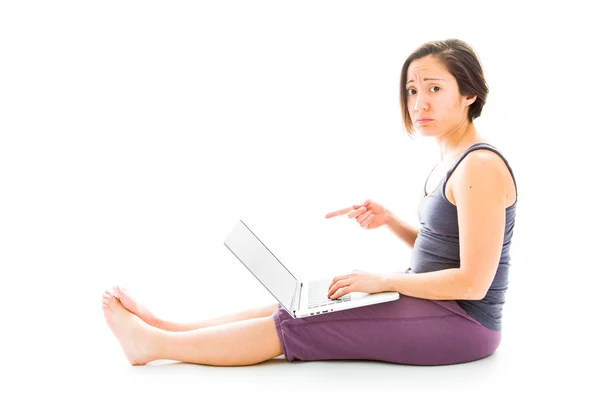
x,y
133,334
135,307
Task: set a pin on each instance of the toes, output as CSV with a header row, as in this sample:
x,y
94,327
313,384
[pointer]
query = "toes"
x,y
114,292
121,291
122,294
107,295
107,301
110,300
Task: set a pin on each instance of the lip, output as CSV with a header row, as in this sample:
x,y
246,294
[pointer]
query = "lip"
x,y
424,120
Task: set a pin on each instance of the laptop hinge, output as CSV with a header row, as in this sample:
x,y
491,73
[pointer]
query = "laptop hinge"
x,y
296,305
299,296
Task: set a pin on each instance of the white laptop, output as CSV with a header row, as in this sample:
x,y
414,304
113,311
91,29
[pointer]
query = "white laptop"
x,y
300,299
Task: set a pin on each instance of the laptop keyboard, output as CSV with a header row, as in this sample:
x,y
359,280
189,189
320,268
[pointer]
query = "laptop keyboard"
x,y
317,294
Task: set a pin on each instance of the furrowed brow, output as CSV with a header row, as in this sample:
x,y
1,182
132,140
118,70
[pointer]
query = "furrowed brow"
x,y
426,79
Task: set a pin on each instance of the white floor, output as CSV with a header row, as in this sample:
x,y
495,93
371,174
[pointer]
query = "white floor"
x,y
100,371
76,356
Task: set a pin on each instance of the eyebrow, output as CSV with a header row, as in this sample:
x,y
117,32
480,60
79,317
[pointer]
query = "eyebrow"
x,y
426,79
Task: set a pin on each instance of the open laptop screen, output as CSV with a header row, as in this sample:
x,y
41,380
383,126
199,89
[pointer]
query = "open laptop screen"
x,y
259,260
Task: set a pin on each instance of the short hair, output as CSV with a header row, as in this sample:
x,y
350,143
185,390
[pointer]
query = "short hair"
x,y
462,62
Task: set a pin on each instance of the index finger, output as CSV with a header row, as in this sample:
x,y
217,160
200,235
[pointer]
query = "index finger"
x,y
337,279
339,212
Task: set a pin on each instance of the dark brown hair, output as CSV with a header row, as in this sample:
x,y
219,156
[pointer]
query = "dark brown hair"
x,y
462,62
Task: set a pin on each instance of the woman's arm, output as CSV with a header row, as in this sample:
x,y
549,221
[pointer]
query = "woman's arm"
x,y
407,233
480,195
447,284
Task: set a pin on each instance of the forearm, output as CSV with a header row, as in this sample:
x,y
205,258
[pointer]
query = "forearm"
x,y
447,284
407,233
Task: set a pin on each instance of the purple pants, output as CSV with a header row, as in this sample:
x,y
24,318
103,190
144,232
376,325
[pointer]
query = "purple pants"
x,y
405,331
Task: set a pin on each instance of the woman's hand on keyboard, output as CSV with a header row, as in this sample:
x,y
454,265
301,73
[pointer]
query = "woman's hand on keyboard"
x,y
357,281
369,215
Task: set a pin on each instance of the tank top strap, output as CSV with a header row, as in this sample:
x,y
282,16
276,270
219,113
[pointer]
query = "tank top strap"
x,y
479,146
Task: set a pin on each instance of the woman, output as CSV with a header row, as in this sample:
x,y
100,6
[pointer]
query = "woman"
x,y
450,308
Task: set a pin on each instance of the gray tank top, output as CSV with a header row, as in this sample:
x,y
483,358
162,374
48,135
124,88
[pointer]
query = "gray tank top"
x,y
437,246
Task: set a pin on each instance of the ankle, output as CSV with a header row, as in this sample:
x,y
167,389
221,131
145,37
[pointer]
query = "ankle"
x,y
151,341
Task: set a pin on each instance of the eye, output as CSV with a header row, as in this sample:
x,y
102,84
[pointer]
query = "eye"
x,y
433,87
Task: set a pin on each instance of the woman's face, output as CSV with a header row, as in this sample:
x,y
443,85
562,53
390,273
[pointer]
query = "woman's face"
x,y
432,95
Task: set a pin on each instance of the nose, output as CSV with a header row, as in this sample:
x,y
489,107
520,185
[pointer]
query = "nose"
x,y
421,103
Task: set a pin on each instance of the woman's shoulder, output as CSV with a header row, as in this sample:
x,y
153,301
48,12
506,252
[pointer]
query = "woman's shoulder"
x,y
482,165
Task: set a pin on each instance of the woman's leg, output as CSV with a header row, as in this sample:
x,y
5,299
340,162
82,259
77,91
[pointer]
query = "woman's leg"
x,y
236,343
148,317
260,312
405,331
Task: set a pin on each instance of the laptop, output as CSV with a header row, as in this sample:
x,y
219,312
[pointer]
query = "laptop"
x,y
300,299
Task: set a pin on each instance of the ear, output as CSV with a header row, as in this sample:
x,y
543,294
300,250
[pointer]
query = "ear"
x,y
470,100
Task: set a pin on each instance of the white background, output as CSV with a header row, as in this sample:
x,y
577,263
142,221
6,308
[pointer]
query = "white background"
x,y
134,134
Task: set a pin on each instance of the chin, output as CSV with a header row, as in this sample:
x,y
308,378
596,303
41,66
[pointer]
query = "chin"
x,y
427,132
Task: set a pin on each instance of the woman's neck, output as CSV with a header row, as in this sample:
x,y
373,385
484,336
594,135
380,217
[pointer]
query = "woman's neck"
x,y
455,144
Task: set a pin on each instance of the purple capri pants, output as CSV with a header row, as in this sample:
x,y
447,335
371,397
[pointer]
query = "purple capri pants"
x,y
405,331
